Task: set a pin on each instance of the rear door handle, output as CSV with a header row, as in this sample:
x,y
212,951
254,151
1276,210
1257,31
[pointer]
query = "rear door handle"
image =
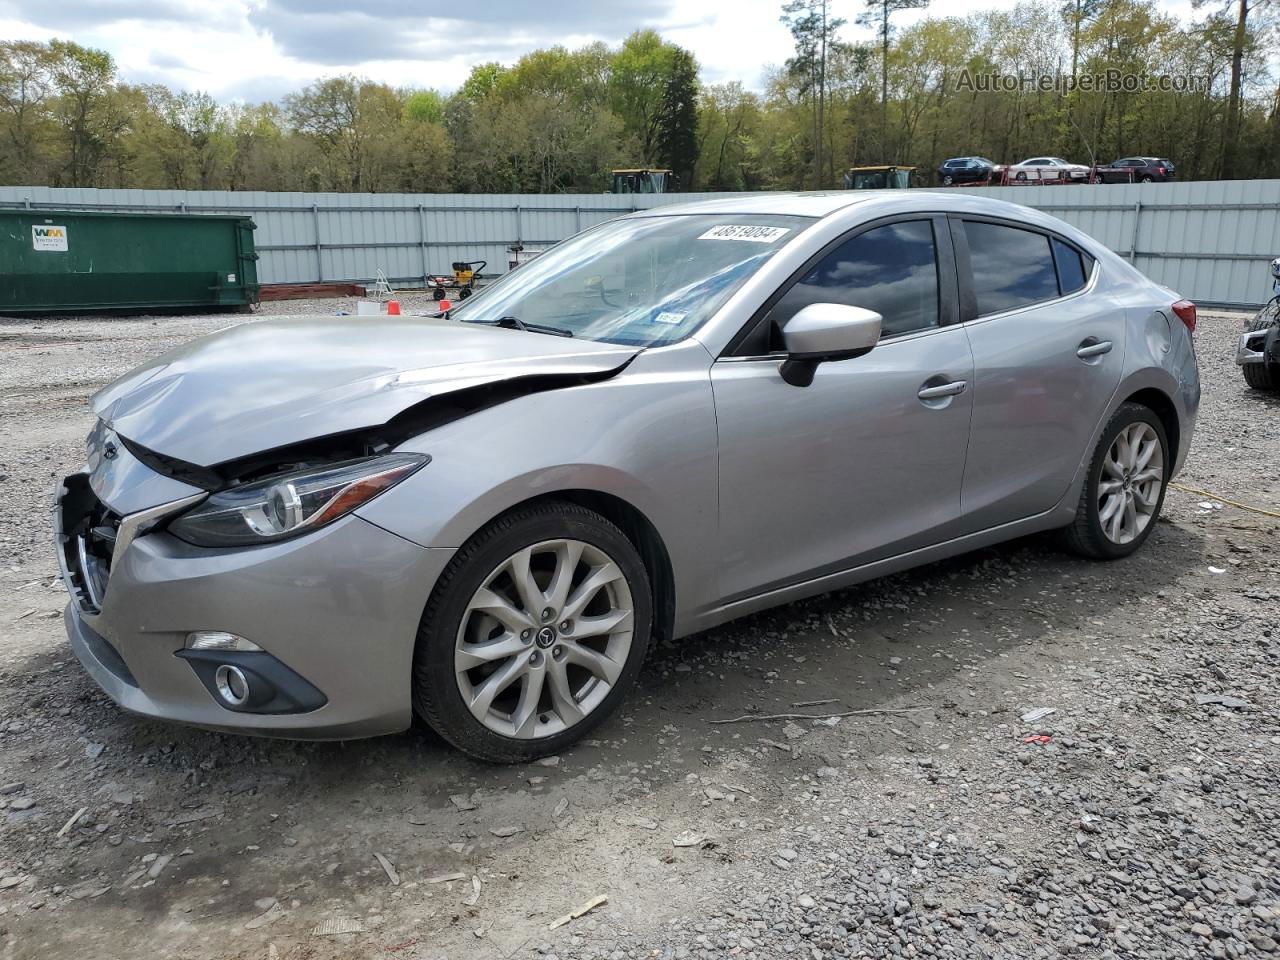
x,y
942,390
1093,347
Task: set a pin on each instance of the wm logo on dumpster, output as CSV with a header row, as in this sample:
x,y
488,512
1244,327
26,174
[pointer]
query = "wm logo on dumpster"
x,y
47,236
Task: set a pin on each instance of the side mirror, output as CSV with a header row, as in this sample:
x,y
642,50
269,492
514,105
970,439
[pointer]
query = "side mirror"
x,y
826,331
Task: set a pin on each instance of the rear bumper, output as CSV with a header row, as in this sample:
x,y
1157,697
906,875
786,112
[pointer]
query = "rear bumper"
x,y
339,608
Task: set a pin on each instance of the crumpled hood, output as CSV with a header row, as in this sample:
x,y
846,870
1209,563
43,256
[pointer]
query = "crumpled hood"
x,y
270,383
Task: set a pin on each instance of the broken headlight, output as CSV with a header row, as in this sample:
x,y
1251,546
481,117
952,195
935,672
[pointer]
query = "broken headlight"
x,y
293,503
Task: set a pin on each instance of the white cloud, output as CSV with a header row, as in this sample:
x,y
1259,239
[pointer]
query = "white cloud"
x,y
259,49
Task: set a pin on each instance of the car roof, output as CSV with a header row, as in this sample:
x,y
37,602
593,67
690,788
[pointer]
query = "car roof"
x,y
872,204
795,204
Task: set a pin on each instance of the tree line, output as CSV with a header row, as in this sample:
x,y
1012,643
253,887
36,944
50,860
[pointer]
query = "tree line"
x,y
558,120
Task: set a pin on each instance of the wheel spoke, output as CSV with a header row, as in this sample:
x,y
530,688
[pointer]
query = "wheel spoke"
x,y
1145,453
524,718
484,695
602,575
601,625
531,597
500,609
1120,448
472,655
1147,494
1111,467
1129,523
1111,507
1112,523
562,699
1154,473
600,665
568,554
1107,487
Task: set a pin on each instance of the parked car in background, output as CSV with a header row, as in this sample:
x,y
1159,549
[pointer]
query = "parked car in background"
x,y
317,527
1049,168
1135,170
1258,352
967,170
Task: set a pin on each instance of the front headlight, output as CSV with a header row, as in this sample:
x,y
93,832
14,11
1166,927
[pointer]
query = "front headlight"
x,y
291,504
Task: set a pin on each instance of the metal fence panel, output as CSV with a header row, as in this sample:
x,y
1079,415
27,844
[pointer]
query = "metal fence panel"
x,y
1208,240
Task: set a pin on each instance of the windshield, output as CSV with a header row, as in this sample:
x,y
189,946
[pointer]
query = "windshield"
x,y
638,281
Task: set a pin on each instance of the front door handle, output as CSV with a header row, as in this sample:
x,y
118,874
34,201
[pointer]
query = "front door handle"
x,y
1093,347
942,390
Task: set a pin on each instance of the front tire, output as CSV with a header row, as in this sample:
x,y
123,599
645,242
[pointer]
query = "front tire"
x,y
1125,486
533,634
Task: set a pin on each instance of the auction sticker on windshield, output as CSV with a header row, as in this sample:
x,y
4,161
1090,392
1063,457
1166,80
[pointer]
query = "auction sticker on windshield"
x,y
744,231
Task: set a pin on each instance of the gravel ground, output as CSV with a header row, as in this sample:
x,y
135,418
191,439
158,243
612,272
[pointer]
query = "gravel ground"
x,y
1147,825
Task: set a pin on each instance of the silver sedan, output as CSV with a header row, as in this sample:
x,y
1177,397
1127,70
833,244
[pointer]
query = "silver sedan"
x,y
320,527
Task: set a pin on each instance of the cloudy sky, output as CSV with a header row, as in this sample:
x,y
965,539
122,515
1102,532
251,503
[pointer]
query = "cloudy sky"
x,y
260,49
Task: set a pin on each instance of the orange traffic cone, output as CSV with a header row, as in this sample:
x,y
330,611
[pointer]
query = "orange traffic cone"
x,y
393,308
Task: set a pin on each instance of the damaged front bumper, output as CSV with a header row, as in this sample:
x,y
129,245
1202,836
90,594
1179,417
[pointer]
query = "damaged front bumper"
x,y
335,614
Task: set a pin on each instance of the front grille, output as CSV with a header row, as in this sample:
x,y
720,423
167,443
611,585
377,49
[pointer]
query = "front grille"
x,y
86,532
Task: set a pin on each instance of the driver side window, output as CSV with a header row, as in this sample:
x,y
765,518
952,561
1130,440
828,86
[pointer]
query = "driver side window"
x,y
892,269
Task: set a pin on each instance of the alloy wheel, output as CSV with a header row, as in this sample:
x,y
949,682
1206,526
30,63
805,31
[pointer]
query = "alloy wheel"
x,y
544,639
1130,484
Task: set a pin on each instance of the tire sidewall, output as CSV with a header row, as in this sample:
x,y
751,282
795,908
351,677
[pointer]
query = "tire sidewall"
x,y
1125,417
434,676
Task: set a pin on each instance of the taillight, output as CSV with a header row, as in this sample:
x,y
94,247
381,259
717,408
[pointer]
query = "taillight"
x,y
1186,311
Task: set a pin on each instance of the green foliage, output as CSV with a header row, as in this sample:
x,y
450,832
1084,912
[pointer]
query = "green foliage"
x,y
678,118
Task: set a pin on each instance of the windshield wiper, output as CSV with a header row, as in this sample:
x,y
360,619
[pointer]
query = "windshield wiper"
x,y
515,323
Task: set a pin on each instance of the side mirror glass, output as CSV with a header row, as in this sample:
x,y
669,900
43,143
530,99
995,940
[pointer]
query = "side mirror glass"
x,y
826,331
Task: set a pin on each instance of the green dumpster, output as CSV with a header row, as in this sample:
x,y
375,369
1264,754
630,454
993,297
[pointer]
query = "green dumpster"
x,y
55,261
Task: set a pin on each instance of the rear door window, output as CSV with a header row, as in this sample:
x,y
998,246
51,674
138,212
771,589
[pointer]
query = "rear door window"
x,y
1011,267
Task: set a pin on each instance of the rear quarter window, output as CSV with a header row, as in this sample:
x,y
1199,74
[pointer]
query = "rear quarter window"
x,y
1073,272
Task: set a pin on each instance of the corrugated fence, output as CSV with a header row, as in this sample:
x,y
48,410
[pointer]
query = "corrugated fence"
x,y
1208,240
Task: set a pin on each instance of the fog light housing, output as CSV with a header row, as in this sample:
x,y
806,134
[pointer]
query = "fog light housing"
x,y
252,681
218,640
232,684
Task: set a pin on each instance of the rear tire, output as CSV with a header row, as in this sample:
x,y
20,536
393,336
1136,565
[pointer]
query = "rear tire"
x,y
1112,473
550,691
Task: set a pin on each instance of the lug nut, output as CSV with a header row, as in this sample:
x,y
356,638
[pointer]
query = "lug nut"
x,y
557,652
535,658
566,626
526,635
548,613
